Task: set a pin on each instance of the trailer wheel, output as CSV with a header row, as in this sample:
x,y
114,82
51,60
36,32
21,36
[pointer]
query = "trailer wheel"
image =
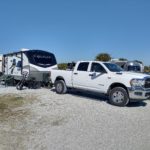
x,y
19,86
36,85
118,96
60,87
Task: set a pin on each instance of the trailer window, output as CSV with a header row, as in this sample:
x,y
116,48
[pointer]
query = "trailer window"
x,y
41,58
134,68
19,64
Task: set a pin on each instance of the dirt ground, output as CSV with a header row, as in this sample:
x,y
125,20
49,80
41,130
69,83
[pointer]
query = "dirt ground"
x,y
43,120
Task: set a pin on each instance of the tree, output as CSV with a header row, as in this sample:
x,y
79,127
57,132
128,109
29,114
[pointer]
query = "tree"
x,y
62,66
147,69
103,57
123,59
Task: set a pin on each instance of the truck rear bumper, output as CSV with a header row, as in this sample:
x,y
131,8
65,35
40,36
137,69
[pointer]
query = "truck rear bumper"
x,y
137,94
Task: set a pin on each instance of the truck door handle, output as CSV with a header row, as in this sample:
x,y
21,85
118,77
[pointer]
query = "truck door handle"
x,y
75,73
91,75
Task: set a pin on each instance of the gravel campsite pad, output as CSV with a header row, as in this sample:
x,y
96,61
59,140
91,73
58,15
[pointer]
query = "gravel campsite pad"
x,y
43,120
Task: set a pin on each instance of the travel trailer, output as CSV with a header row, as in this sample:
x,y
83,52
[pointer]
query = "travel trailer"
x,y
36,64
133,66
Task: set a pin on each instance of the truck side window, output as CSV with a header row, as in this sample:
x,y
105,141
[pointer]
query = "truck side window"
x,y
83,66
96,67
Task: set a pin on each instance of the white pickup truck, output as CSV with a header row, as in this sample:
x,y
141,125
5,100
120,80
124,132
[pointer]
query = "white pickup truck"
x,y
103,77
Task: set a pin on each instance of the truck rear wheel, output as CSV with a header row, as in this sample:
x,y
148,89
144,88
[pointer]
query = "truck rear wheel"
x,y
60,87
118,96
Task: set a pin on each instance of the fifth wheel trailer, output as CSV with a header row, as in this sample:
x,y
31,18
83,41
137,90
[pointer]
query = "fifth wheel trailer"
x,y
36,63
133,66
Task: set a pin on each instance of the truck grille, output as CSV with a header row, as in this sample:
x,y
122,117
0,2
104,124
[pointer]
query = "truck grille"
x,y
147,83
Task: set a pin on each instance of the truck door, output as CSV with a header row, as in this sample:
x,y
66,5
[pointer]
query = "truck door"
x,y
97,77
80,75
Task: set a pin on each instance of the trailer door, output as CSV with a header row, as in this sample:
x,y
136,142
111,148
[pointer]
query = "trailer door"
x,y
13,64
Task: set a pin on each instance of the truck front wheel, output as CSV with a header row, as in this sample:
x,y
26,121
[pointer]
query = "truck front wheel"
x,y
60,87
118,96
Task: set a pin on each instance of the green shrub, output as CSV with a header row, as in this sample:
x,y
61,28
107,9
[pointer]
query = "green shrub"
x,y
62,66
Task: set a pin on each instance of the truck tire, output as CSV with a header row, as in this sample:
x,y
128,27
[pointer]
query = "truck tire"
x,y
60,87
118,96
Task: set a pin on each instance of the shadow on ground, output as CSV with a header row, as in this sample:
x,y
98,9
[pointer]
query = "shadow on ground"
x,y
86,94
100,97
137,104
89,95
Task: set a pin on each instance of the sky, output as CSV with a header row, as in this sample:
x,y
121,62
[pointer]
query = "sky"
x,y
77,29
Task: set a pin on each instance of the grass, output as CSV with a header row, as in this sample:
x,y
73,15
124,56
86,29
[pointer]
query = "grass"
x,y
10,101
9,104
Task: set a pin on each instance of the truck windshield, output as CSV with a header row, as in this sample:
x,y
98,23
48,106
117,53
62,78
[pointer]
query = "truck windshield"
x,y
113,67
41,58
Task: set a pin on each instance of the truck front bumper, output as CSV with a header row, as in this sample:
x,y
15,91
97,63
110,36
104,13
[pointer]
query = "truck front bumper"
x,y
137,94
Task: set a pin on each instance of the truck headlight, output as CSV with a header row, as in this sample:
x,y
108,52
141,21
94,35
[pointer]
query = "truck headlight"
x,y
137,82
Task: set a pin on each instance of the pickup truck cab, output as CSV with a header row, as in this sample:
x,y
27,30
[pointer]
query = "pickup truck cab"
x,y
103,77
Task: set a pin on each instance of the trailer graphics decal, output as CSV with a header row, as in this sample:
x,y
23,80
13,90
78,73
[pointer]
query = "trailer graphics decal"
x,y
13,65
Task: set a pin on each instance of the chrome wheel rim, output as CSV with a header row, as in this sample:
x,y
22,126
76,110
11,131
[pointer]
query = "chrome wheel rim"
x,y
118,97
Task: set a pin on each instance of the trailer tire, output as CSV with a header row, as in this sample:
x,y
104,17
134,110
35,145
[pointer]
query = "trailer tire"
x,y
35,85
19,86
60,87
118,96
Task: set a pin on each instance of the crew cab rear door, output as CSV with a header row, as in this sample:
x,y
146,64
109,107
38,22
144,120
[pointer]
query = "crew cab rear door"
x,y
81,75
